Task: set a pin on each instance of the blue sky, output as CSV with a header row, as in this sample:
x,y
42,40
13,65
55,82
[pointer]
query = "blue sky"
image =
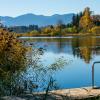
x,y
46,7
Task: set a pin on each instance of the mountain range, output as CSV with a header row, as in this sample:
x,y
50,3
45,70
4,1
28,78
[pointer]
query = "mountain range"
x,y
32,19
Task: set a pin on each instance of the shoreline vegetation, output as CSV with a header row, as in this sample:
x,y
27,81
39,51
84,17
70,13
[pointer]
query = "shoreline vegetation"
x,y
83,23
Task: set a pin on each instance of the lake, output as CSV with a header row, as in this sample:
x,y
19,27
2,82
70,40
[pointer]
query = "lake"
x,y
79,53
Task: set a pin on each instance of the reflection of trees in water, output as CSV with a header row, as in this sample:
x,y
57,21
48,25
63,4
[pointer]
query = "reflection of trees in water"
x,y
84,47
56,45
61,44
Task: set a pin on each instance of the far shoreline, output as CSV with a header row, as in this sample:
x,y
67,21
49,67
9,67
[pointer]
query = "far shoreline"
x,y
63,36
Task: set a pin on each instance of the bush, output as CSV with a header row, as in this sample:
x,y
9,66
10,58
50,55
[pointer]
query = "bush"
x,y
95,29
12,60
71,30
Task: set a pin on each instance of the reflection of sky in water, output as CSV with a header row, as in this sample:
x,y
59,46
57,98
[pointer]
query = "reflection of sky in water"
x,y
78,72
75,74
55,47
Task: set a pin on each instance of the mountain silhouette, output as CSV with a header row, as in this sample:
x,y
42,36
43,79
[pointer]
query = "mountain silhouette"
x,y
40,20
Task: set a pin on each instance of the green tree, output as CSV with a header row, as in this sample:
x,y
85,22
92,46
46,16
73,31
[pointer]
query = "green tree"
x,y
59,27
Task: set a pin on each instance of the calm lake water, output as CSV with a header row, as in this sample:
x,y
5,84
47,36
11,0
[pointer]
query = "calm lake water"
x,y
79,52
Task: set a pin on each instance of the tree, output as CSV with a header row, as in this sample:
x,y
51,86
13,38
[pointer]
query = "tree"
x,y
12,61
12,52
76,18
59,27
75,21
86,22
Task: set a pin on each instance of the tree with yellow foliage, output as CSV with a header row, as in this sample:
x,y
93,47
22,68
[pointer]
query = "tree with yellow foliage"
x,y
86,22
12,61
12,52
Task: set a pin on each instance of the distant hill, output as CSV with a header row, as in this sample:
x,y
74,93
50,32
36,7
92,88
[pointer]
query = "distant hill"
x,y
40,20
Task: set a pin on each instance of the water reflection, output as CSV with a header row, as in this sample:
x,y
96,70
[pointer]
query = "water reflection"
x,y
84,47
46,61
83,51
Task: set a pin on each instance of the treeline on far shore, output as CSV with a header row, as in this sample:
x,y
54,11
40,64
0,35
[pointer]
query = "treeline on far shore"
x,y
83,23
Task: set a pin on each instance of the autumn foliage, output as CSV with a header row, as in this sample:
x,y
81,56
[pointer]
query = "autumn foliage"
x,y
86,22
12,52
